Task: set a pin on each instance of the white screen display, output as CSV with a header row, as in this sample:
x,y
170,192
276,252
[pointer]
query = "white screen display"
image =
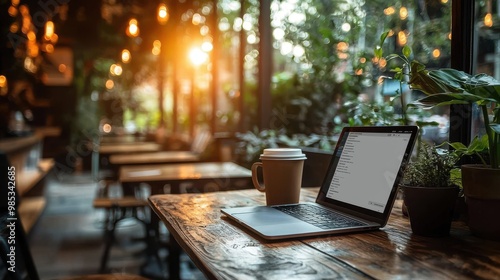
x,y
367,169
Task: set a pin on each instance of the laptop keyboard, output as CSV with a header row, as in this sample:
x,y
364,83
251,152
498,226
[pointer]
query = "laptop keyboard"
x,y
318,216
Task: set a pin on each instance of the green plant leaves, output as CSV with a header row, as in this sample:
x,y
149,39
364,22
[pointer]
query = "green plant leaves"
x,y
441,99
407,51
476,147
495,127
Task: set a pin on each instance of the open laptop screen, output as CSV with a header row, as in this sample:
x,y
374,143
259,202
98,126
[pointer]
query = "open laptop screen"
x,y
365,167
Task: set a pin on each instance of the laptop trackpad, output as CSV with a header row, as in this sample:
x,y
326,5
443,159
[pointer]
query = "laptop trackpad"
x,y
275,223
262,218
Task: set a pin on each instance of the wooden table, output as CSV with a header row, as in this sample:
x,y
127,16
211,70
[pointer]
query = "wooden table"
x,y
222,250
207,176
154,158
138,147
102,152
121,139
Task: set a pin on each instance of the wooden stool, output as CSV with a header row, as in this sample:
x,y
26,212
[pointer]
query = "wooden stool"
x,y
117,209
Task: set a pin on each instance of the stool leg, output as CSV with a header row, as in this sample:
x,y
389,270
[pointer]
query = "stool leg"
x,y
109,237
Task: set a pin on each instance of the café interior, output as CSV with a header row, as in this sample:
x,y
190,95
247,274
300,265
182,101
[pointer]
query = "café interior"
x,y
125,126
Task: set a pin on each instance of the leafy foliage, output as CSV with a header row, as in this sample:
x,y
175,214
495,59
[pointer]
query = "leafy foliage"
x,y
450,86
432,168
252,143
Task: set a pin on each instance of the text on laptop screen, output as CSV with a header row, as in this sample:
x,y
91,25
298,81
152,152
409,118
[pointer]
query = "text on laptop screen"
x,y
367,159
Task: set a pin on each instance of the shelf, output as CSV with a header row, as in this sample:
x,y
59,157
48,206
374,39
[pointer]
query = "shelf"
x,y
27,180
24,153
30,210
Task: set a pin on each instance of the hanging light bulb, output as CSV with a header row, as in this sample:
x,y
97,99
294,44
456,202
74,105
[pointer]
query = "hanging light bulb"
x,y
402,39
436,53
49,30
163,14
133,28
156,47
488,20
115,69
126,56
3,85
403,13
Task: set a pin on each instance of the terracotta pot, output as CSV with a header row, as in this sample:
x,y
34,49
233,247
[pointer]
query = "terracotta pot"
x,y
430,209
482,196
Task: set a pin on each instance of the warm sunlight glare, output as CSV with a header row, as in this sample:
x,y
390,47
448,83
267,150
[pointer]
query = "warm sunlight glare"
x,y
197,56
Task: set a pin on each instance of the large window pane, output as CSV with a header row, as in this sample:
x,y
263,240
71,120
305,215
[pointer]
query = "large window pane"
x,y
326,75
486,52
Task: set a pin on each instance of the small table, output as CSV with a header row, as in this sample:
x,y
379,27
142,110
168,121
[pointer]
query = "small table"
x,y
154,158
222,175
101,153
223,250
121,139
207,177
120,148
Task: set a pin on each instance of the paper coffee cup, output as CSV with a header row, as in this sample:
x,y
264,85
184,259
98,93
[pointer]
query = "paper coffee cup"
x,y
282,175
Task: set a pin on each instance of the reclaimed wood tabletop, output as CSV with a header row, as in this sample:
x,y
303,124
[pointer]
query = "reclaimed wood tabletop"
x,y
223,250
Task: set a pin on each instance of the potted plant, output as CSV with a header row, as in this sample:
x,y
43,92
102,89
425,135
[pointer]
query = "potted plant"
x,y
429,191
481,182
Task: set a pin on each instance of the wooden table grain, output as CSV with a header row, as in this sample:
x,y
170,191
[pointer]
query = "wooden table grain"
x,y
223,250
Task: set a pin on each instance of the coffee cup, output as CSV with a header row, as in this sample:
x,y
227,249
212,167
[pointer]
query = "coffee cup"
x,y
282,175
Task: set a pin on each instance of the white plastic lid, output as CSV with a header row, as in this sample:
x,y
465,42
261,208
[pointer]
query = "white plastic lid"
x,y
283,153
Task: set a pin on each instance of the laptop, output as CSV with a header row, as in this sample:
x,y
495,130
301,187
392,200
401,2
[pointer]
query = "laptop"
x,y
357,193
